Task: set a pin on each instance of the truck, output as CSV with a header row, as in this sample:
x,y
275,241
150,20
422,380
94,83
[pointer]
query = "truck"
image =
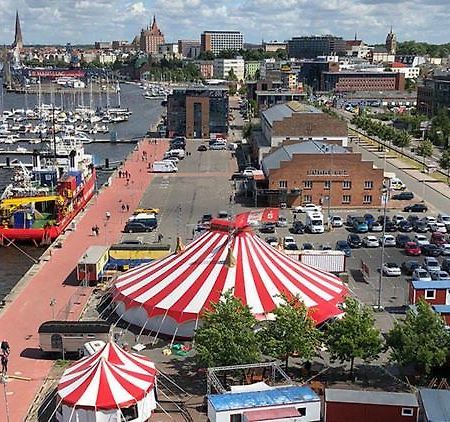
x,y
331,261
314,222
164,167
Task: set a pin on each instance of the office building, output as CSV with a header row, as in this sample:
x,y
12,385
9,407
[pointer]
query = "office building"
x,y
311,47
434,94
198,112
217,41
346,81
225,68
189,49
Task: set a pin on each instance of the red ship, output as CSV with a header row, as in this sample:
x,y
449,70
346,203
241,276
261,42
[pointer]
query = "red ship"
x,y
40,203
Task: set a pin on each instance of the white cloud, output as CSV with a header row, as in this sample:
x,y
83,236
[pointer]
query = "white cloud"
x,y
84,21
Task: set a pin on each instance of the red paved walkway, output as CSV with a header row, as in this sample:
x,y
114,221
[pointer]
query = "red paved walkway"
x,y
20,321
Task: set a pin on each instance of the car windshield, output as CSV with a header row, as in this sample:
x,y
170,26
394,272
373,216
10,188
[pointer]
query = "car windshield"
x,y
391,265
422,273
433,264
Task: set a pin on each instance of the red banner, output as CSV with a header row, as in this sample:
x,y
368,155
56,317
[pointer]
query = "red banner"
x,y
57,73
267,215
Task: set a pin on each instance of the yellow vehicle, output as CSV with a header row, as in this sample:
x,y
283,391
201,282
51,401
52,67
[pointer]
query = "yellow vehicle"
x,y
146,211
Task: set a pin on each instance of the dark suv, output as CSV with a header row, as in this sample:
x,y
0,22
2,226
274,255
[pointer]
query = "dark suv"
x,y
403,196
416,208
354,240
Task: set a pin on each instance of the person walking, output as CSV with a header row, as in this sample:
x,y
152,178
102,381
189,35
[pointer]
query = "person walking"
x,y
5,347
127,207
96,230
4,360
160,237
107,215
124,207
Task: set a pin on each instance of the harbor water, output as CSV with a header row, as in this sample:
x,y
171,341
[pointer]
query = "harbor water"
x,y
14,263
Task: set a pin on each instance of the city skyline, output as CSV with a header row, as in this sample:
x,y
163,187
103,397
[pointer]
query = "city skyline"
x,y
84,21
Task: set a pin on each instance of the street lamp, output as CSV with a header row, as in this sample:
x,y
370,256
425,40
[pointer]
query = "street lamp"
x,y
52,305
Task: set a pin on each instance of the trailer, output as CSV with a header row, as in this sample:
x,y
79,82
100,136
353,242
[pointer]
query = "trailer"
x,y
331,261
92,263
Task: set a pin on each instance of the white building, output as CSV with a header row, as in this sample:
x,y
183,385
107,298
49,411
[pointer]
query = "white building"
x,y
217,41
222,68
409,72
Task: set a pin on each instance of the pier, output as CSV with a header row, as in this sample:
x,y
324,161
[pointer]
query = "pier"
x,y
48,290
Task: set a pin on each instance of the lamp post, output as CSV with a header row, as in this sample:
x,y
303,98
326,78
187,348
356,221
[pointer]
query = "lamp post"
x,y
52,305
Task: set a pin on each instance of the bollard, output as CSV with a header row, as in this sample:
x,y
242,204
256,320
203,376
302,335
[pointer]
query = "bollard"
x,y
107,163
8,164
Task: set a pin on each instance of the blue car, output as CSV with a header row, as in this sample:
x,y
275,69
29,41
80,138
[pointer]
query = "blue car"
x,y
342,245
360,226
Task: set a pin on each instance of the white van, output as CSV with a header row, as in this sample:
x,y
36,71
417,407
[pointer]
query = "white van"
x,y
314,222
396,184
164,167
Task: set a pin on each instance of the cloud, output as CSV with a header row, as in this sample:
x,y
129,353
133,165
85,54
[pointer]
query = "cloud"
x,y
85,21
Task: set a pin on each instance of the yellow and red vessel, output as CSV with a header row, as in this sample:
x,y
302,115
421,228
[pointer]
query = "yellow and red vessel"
x,y
40,203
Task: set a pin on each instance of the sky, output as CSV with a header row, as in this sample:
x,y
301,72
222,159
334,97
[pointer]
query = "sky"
x,y
87,21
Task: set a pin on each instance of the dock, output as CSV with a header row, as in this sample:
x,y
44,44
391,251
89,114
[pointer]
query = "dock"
x,y
48,287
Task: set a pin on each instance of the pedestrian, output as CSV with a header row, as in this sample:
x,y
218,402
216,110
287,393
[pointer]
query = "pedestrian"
x,y
120,174
231,198
107,215
160,237
295,217
127,207
4,359
93,231
96,230
5,347
123,207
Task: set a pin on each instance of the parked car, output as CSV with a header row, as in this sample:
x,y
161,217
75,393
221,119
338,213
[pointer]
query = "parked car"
x,y
282,221
307,246
222,214
360,225
420,274
206,218
401,240
325,247
369,218
267,228
336,221
431,250
412,249
308,207
405,226
445,249
439,275
430,220
420,227
342,245
408,267
136,227
390,226
289,243
202,148
370,242
349,221
445,264
272,241
416,208
397,218
443,218
375,227
388,240
413,218
438,227
431,264
437,238
391,269
297,227
354,240
403,196
421,240
218,146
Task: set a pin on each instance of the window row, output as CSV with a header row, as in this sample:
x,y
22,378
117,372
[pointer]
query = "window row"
x,y
308,184
346,199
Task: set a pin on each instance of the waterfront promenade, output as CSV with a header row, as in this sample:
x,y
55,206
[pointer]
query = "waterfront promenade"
x,y
19,322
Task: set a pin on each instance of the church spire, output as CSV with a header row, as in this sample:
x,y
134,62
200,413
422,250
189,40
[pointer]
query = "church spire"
x,y
18,41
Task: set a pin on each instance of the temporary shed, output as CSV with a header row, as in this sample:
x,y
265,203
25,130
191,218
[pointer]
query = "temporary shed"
x,y
435,405
110,385
370,406
169,296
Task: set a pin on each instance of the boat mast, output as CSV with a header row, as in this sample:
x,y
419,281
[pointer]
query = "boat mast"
x,y
91,102
107,92
54,139
118,94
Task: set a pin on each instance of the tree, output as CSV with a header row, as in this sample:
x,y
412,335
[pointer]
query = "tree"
x,y
355,335
293,330
231,75
444,162
421,339
425,149
227,335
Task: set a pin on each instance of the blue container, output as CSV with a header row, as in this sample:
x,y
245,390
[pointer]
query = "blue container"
x,y
78,176
46,177
19,219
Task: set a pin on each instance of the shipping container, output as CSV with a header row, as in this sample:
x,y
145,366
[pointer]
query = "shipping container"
x,y
331,261
91,265
78,176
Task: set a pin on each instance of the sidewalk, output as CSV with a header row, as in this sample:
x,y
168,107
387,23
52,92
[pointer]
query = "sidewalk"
x,y
20,321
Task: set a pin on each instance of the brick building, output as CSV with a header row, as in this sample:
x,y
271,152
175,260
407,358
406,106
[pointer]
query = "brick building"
x,y
198,112
362,81
151,38
318,172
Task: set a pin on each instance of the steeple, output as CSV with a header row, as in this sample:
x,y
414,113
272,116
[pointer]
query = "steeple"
x,y
154,22
18,42
391,42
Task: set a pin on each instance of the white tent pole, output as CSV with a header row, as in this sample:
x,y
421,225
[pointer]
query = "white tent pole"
x,y
54,412
73,410
195,329
159,329
140,332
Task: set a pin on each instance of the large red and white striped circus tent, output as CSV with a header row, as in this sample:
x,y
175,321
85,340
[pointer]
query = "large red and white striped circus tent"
x,y
110,385
168,296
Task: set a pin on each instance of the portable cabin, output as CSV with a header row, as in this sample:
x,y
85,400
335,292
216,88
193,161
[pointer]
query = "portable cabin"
x,y
435,405
275,404
71,336
91,265
370,406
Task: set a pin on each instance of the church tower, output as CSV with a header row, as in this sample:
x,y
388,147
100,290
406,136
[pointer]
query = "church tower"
x,y
391,42
18,41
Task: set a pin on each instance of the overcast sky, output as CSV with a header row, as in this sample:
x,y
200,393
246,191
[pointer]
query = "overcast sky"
x,y
86,21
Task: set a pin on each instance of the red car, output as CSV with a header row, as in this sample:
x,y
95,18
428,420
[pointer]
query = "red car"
x,y
412,249
437,238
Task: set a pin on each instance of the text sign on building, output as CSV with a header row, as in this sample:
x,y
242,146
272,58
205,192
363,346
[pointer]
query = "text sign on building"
x,y
326,172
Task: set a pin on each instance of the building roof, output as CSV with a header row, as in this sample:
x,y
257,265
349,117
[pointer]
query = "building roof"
x,y
93,254
436,404
384,398
442,309
438,284
281,111
274,397
286,152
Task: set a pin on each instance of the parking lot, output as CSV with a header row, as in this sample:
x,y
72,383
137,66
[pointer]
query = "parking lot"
x,y
203,186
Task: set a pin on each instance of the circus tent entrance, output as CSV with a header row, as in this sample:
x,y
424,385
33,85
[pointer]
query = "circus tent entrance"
x,y
169,296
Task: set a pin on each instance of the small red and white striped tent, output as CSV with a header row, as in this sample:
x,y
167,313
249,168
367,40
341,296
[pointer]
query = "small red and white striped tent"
x,y
111,385
169,296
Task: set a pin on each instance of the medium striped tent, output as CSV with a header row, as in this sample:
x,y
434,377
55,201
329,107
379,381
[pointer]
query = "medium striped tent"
x,y
109,385
169,296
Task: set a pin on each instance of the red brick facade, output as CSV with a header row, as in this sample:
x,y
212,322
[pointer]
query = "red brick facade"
x,y
354,183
